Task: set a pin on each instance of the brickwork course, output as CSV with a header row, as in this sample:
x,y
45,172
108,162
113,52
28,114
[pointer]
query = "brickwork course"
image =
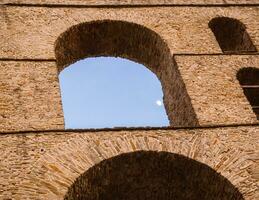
x,y
205,54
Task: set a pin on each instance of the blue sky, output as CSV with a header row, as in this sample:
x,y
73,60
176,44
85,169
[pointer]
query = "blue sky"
x,y
107,92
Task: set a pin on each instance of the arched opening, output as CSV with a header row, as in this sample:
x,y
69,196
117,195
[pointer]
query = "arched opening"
x,y
111,92
150,175
249,81
231,35
136,43
112,38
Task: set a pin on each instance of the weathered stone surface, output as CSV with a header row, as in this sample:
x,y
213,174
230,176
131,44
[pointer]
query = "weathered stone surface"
x,y
31,99
30,96
134,42
215,92
151,175
44,165
134,2
199,85
30,32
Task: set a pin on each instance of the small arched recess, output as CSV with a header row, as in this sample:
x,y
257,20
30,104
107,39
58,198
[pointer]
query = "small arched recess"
x,y
231,35
134,42
151,175
249,80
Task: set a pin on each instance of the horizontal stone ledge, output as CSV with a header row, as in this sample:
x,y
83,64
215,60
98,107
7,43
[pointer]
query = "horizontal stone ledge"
x,y
130,129
132,2
12,59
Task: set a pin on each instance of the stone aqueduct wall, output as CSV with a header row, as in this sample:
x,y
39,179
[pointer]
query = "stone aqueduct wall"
x,y
136,2
185,32
44,165
214,132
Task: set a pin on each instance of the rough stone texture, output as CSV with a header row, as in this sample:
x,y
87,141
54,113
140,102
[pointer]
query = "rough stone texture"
x,y
31,100
30,97
215,92
44,165
184,29
151,175
135,42
133,2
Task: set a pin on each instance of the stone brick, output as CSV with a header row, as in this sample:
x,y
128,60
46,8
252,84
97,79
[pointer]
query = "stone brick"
x,y
216,147
215,92
30,96
185,29
48,163
135,2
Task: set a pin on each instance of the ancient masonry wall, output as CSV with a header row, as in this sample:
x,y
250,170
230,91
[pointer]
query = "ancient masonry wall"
x,y
212,121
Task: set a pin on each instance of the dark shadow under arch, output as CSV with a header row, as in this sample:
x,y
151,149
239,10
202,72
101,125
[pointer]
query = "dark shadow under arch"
x,y
113,38
134,42
249,81
149,175
231,35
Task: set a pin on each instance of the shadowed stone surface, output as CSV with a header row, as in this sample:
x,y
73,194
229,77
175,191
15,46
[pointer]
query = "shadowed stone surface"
x,y
135,42
49,163
249,80
151,176
231,35
184,29
44,162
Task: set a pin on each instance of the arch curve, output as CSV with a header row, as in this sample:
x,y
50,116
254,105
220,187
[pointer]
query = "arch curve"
x,y
248,78
134,42
112,38
151,175
231,35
